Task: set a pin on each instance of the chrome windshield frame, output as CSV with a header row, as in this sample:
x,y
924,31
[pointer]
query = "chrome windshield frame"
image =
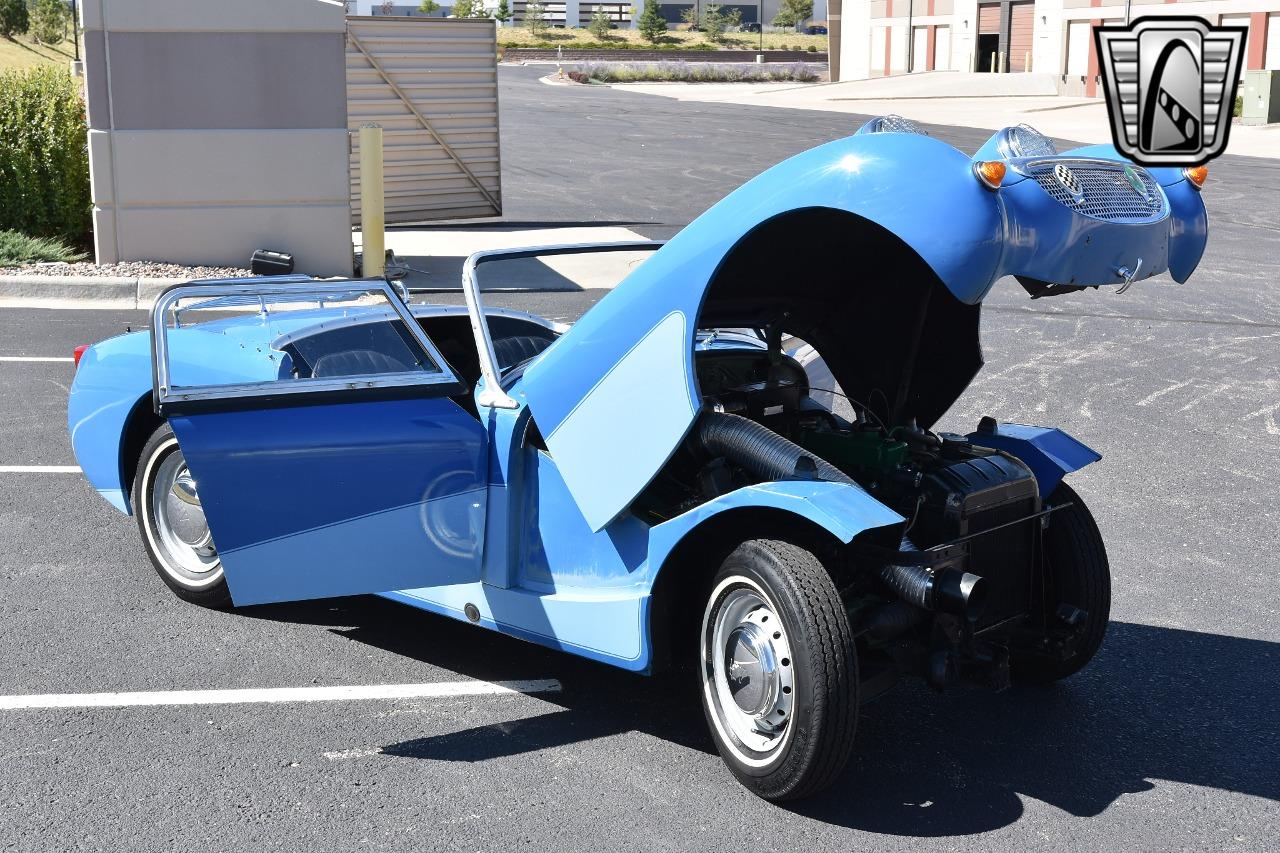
x,y
164,392
493,395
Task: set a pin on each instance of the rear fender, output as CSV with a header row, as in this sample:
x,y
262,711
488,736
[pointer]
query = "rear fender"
x,y
112,387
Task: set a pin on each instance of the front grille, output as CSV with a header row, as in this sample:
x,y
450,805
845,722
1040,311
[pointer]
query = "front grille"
x,y
1005,558
1101,191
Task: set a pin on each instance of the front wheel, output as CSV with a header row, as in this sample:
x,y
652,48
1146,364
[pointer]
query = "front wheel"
x,y
779,671
171,520
1077,575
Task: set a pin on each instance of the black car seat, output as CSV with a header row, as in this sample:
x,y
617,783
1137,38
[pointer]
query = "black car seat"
x,y
356,362
516,349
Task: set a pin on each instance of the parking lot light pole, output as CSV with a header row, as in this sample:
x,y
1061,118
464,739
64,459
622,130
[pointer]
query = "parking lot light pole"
x,y
372,202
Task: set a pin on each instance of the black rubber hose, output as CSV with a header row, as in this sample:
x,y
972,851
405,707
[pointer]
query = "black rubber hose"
x,y
761,450
769,456
951,590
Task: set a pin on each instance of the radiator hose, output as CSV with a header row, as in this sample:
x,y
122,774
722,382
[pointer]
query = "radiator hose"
x,y
770,457
762,451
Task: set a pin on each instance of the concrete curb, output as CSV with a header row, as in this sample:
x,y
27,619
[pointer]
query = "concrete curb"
x,y
127,292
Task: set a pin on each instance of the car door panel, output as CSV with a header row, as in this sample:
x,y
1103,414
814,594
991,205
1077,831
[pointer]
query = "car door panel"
x,y
340,498
336,462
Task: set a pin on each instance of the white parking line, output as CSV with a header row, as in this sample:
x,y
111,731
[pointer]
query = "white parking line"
x,y
39,469
278,694
31,358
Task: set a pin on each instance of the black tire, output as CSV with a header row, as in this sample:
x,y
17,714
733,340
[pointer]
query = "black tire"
x,y
821,718
1077,574
205,586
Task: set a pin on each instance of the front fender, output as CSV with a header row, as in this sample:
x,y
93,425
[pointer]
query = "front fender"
x,y
1188,221
1050,453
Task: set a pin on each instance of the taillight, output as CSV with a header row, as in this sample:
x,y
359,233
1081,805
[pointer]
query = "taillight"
x,y
77,352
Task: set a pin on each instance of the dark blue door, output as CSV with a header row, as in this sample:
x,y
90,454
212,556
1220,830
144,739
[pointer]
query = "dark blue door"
x,y
317,422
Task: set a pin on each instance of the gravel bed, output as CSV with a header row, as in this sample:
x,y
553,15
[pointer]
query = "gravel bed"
x,y
128,269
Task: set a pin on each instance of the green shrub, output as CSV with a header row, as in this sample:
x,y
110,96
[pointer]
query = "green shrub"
x,y
44,157
1238,109
17,249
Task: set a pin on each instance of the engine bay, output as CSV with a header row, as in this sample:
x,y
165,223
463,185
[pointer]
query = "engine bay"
x,y
969,561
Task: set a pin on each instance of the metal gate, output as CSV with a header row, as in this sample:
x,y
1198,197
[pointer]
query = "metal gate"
x,y
432,84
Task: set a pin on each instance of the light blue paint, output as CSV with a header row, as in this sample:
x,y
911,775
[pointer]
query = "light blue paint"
x,y
416,500
646,402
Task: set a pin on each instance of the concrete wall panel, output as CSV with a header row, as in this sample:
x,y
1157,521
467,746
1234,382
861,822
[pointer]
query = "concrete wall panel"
x,y
318,236
173,166
227,80
290,16
217,128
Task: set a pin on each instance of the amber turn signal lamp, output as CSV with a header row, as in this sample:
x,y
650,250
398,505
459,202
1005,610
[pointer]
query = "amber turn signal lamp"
x,y
1197,175
990,172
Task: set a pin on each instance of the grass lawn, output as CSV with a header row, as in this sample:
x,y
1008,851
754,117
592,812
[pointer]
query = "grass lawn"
x,y
630,39
21,52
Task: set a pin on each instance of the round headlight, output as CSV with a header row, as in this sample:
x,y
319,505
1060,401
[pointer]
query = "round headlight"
x,y
891,124
1025,141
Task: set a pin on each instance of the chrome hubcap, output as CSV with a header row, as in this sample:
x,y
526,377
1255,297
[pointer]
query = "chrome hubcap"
x,y
748,675
181,528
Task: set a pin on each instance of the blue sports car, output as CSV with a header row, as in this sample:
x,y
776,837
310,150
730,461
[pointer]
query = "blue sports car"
x,y
726,466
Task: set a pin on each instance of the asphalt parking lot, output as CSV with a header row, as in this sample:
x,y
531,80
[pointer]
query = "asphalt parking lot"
x,y
1168,741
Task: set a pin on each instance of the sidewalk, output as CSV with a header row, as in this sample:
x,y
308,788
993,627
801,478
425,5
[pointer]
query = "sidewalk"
x,y
435,256
1079,119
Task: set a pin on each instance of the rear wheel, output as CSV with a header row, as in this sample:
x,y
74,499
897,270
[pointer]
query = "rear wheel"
x,y
174,531
1078,575
778,670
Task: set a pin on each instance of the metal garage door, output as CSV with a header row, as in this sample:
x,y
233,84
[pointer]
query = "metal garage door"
x,y
989,18
1021,26
432,84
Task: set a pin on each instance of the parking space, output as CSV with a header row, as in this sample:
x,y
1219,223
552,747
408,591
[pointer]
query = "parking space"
x,y
1166,742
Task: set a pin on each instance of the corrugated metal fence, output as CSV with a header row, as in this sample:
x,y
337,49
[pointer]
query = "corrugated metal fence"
x,y
432,84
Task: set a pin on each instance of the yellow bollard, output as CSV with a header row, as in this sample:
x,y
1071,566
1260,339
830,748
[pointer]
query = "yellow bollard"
x,y
372,202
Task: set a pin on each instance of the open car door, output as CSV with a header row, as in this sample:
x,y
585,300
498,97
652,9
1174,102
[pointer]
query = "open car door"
x,y
317,423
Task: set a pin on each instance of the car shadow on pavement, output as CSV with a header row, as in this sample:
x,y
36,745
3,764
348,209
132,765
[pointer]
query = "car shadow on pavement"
x,y
1157,704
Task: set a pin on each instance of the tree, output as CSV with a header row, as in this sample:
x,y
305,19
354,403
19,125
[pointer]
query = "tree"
x,y
428,6
502,14
653,27
793,13
13,18
535,18
600,24
48,21
715,21
469,9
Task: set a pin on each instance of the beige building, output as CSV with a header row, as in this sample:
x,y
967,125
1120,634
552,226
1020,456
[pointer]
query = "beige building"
x,y
881,37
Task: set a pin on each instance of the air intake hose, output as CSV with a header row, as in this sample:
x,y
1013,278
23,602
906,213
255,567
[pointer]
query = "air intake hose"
x,y
769,456
951,590
762,451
